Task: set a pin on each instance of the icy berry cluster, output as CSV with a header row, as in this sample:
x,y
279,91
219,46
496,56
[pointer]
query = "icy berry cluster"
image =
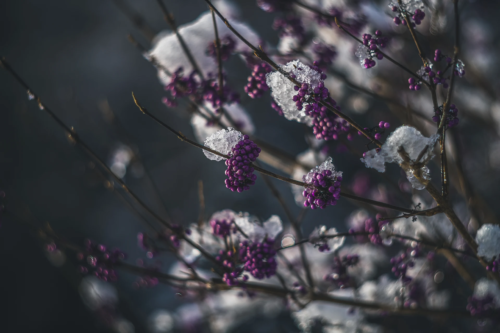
x,y
310,96
370,49
227,46
323,55
239,166
100,261
322,187
274,5
451,116
481,306
257,85
412,8
259,258
180,86
339,275
222,227
290,26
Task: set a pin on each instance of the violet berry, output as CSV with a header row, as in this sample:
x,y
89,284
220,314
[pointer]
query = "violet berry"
x,y
322,187
239,166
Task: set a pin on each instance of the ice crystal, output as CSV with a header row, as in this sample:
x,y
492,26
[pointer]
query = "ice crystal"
x,y
319,236
413,143
252,228
282,89
488,241
409,5
362,53
222,141
485,287
326,165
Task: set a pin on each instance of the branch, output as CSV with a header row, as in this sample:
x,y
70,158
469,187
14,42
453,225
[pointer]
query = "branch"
x,y
219,56
264,57
412,32
169,18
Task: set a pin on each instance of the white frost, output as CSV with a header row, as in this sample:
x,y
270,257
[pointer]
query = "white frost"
x,y
488,241
197,36
282,89
251,226
318,234
412,141
222,141
326,165
484,287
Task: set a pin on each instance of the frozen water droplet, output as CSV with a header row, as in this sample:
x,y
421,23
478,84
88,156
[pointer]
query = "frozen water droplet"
x,y
40,106
31,96
287,241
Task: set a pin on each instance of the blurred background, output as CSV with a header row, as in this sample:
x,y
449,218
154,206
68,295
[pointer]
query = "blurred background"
x,y
76,56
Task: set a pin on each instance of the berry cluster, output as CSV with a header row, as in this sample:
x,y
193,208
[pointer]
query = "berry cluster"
x,y
403,261
227,46
438,56
228,260
415,296
373,227
290,26
211,94
239,169
180,86
451,116
323,55
259,258
306,95
100,260
412,8
147,279
327,125
323,189
481,306
370,49
257,85
222,227
340,265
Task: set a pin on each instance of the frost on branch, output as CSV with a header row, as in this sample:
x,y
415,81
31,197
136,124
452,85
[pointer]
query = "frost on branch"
x,y
197,35
488,241
251,226
413,143
222,141
319,238
282,89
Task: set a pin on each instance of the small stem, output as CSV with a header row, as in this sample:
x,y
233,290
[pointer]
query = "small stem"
x,y
384,54
171,22
219,56
264,57
413,35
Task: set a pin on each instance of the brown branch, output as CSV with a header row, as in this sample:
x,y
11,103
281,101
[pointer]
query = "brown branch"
x,y
413,35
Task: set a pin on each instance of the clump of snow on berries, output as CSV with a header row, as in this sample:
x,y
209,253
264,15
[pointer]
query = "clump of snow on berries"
x,y
256,231
283,90
486,287
488,241
170,55
413,8
321,237
222,141
409,138
309,159
322,186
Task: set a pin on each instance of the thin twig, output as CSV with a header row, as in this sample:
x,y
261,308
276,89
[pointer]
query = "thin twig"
x,y
413,35
169,18
219,55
